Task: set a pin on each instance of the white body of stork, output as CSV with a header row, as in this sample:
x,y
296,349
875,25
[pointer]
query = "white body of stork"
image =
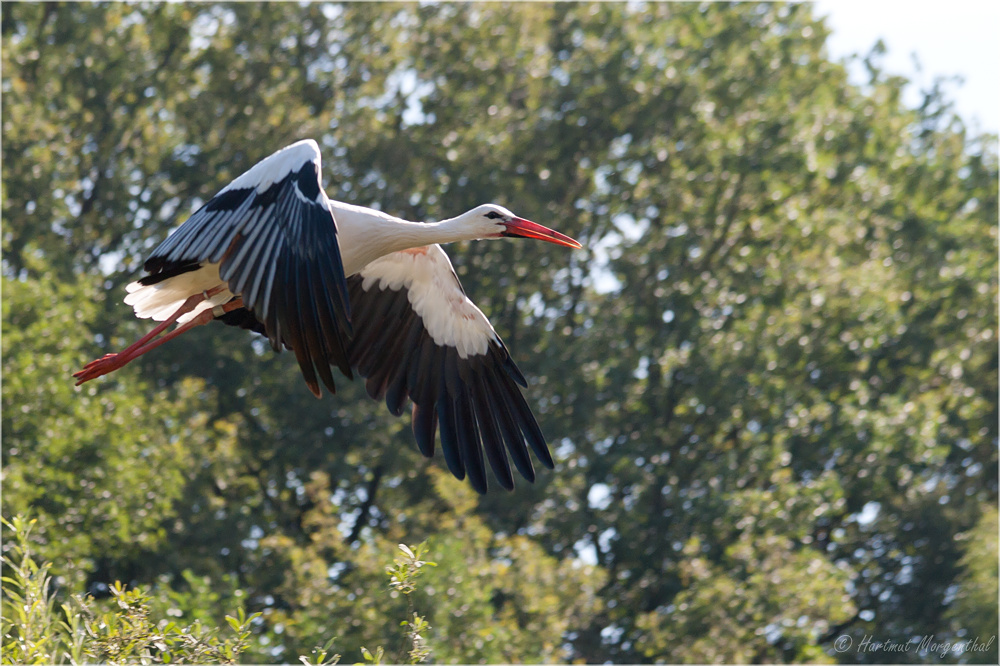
x,y
351,287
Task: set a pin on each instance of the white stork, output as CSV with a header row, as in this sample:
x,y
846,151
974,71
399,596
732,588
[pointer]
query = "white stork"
x,y
356,288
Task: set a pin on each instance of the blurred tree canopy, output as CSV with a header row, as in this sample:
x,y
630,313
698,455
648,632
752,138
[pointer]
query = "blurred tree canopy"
x,y
769,379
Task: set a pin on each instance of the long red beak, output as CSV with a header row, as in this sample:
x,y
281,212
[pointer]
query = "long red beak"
x,y
527,229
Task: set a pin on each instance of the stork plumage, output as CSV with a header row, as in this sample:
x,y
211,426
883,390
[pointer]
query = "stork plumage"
x,y
355,288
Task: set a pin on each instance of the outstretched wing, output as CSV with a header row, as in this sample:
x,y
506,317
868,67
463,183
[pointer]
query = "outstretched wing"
x,y
417,335
274,239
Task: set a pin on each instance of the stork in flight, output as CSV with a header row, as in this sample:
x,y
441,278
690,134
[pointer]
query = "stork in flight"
x,y
355,288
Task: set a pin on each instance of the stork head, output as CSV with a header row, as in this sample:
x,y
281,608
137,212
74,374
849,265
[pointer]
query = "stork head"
x,y
498,222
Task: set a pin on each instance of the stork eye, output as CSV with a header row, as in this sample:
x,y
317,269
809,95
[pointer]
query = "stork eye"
x,y
493,215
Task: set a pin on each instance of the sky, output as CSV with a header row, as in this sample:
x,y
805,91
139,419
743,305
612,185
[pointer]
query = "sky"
x,y
955,37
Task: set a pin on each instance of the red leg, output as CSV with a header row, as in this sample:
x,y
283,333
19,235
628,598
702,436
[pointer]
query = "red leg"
x,y
112,362
185,307
200,320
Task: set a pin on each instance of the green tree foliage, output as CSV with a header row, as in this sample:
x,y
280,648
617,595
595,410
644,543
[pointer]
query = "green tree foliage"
x,y
769,379
974,610
103,468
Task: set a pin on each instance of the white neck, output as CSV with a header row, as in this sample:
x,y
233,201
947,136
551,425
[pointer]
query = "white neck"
x,y
366,234
402,235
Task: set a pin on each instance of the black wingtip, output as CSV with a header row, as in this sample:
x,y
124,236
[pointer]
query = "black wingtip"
x,y
514,371
541,448
500,353
478,484
424,424
489,433
343,300
468,439
449,437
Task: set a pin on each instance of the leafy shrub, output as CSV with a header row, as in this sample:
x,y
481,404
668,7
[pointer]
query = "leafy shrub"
x,y
38,629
